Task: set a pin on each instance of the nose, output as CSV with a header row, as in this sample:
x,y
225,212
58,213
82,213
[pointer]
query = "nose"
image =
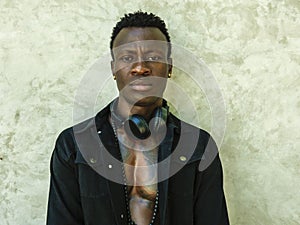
x,y
140,68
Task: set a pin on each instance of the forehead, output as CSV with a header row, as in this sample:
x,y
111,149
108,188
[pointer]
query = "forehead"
x,y
134,34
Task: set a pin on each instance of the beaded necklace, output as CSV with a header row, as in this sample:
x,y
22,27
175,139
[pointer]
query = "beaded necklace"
x,y
130,221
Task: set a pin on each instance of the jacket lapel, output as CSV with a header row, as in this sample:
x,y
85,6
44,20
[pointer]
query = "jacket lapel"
x,y
113,171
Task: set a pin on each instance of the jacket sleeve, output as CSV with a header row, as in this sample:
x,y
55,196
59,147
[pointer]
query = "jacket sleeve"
x,y
64,206
210,205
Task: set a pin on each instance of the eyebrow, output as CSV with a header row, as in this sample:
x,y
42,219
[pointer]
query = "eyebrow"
x,y
133,51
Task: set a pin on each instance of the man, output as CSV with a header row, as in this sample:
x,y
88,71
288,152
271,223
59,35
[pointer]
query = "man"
x,y
135,162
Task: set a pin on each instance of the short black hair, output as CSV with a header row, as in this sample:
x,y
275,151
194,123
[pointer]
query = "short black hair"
x,y
140,19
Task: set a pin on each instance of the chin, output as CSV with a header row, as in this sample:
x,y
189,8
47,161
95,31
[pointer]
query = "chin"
x,y
146,101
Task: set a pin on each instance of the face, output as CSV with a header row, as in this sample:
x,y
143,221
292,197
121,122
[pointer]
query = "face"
x,y
141,64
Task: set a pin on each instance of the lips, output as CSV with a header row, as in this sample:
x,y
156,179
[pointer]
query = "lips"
x,y
139,85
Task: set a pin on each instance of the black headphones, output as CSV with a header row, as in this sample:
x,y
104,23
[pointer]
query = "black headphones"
x,y
138,124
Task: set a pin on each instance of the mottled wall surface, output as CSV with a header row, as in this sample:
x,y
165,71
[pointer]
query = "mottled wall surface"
x,y
252,48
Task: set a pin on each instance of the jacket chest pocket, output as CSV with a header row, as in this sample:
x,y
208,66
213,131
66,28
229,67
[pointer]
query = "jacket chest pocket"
x,y
180,196
182,183
91,183
94,192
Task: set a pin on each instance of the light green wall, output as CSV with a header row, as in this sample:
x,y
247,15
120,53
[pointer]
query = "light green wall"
x,y
252,47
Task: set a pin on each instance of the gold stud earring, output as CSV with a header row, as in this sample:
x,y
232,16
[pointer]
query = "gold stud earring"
x,y
114,76
169,75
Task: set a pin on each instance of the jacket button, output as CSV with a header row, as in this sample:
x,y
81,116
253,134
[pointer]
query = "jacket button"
x,y
182,158
122,216
109,166
92,160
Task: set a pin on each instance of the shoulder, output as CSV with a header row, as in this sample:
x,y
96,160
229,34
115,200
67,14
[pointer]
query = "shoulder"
x,y
184,128
68,141
66,144
196,139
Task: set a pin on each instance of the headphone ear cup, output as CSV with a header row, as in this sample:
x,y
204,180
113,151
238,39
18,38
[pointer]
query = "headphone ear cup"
x,y
138,126
159,119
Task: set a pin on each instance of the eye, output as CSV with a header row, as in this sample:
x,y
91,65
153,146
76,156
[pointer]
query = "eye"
x,y
127,58
153,58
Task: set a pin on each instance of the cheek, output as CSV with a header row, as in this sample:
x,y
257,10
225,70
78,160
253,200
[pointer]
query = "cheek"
x,y
121,80
122,68
162,70
120,85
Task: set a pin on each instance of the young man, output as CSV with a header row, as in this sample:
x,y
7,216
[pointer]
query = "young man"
x,y
135,162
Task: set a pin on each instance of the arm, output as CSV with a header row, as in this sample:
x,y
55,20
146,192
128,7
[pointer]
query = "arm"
x,y
64,206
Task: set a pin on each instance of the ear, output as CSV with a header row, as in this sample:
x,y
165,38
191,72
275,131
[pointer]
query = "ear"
x,y
170,64
112,66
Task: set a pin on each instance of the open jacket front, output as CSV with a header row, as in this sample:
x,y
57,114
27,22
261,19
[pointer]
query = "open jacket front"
x,y
84,161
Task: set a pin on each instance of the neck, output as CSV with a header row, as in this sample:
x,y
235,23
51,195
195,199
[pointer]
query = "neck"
x,y
126,109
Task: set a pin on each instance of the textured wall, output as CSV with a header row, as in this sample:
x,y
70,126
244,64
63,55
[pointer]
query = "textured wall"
x,y
252,47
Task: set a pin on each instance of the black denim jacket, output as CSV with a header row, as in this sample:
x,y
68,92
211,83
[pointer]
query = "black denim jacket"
x,y
85,154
